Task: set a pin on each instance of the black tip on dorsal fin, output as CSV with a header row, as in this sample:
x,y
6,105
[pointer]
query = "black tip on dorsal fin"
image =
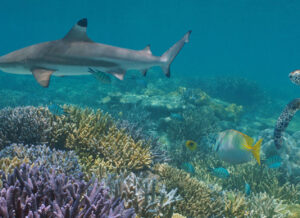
x,y
82,22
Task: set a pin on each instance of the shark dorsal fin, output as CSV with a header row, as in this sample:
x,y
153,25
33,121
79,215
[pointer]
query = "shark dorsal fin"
x,y
147,50
78,32
42,76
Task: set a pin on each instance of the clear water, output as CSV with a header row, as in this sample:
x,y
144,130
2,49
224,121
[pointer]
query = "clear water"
x,y
253,43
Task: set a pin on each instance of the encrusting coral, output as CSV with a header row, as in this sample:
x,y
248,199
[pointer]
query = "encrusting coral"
x,y
199,200
34,192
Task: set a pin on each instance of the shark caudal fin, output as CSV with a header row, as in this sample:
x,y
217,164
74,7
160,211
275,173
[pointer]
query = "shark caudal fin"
x,y
172,52
256,150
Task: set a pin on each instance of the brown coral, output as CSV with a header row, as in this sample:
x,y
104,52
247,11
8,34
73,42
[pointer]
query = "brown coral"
x,y
93,134
7,165
198,199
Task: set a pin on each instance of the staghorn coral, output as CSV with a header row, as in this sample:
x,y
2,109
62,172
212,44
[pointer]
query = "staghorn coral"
x,y
34,192
28,125
260,178
42,155
148,197
235,204
262,205
198,199
83,130
177,215
7,165
138,133
94,133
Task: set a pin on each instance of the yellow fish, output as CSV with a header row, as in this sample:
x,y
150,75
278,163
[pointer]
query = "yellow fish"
x,y
190,144
235,147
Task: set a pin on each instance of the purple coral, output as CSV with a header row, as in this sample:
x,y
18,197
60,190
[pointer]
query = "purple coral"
x,y
34,192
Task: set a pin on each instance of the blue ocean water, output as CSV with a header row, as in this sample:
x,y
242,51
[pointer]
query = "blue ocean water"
x,y
233,74
253,39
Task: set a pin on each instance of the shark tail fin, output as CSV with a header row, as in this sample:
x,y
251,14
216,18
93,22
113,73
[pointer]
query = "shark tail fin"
x,y
172,52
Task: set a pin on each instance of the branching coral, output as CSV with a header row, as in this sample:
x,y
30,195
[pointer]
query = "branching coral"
x,y
260,178
35,193
7,165
86,132
148,197
28,125
198,199
235,204
42,155
262,205
94,133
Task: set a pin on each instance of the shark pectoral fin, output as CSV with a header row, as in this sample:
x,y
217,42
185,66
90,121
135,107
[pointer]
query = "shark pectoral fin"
x,y
118,75
42,76
78,32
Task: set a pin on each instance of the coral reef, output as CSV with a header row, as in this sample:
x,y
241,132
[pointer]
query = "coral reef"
x,y
82,130
235,204
7,165
290,152
34,192
94,133
262,205
198,199
260,179
147,196
235,89
42,155
28,125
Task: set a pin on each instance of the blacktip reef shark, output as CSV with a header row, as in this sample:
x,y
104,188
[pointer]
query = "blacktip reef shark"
x,y
77,54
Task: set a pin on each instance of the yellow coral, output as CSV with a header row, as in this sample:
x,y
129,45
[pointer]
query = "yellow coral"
x,y
198,199
177,215
235,205
7,165
94,136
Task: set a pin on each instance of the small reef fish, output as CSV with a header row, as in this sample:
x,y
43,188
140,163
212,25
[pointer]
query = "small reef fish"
x,y
235,147
101,76
247,189
191,145
56,109
188,167
177,116
274,162
219,172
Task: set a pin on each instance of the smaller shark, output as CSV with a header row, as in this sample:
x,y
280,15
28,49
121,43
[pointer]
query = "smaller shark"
x,y
77,54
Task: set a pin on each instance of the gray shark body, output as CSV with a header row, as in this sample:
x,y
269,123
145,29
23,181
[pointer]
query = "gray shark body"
x,y
76,54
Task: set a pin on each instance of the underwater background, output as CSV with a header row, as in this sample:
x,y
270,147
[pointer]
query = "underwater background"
x,y
129,144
